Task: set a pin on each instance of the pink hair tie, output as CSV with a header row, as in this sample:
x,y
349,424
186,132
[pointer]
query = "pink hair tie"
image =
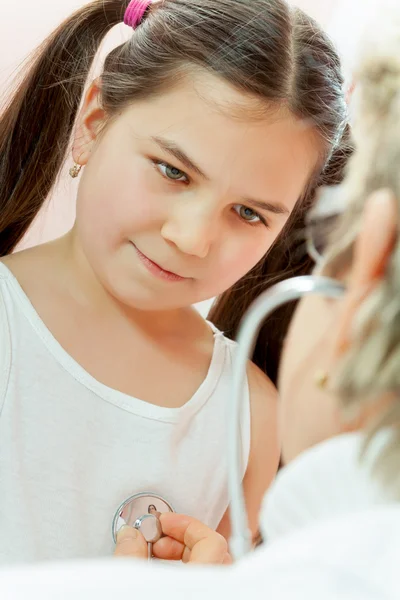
x,y
135,12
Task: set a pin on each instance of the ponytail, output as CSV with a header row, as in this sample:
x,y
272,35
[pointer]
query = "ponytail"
x,y
36,124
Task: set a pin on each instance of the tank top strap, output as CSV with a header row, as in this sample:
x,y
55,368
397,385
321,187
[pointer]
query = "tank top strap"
x,y
215,329
229,348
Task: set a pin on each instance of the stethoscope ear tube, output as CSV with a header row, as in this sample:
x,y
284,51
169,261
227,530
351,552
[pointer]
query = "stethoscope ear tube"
x,y
240,542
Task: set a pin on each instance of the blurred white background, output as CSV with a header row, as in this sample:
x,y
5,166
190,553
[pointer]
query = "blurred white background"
x,y
24,24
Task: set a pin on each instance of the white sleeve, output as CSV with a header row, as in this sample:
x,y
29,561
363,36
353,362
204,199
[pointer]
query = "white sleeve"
x,y
5,351
121,579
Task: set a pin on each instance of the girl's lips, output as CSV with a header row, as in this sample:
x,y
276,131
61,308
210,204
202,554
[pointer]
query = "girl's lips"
x,y
156,270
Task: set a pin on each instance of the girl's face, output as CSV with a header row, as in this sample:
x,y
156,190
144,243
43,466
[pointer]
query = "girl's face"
x,y
182,194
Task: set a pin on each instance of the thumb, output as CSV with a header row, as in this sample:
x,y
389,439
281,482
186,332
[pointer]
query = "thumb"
x,y
130,543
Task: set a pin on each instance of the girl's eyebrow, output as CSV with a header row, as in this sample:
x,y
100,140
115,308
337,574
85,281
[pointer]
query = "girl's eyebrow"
x,y
274,207
174,150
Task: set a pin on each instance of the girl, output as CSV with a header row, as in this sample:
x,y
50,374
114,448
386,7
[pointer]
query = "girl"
x,y
204,132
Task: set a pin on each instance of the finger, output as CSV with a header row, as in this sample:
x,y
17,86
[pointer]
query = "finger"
x,y
205,544
188,557
130,543
209,550
168,549
175,526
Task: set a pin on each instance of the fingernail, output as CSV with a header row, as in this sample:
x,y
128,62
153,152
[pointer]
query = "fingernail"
x,y
127,532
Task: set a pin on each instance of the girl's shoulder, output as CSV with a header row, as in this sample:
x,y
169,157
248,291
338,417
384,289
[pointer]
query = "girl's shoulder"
x,y
25,265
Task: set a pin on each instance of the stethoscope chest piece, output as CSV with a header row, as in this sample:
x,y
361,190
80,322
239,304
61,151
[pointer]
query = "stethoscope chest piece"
x,y
142,511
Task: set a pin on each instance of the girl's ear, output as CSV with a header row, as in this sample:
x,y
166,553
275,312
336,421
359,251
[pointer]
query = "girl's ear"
x,y
89,123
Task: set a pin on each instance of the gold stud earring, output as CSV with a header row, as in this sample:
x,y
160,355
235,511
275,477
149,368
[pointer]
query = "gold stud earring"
x,y
75,170
321,379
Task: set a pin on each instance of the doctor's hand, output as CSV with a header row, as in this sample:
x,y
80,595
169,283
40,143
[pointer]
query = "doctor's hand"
x,y
185,539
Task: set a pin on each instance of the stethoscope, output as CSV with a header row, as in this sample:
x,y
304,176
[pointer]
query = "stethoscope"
x,y
142,511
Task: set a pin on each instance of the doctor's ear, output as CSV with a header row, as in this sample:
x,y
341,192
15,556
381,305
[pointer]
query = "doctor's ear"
x,y
372,251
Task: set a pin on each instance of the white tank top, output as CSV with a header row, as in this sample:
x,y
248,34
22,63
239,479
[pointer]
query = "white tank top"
x,y
72,449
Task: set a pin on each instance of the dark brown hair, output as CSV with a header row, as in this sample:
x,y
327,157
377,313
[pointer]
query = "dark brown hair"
x,y
262,47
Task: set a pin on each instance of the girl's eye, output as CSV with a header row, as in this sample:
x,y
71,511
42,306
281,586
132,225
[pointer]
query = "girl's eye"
x,y
170,172
248,214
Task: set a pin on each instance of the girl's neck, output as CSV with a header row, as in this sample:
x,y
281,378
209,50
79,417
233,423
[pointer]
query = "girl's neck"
x,y
74,273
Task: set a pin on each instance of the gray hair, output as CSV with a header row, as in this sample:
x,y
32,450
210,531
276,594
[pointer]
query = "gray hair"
x,y
371,367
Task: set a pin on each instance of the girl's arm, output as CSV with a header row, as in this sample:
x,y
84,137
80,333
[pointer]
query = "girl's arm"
x,y
264,448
